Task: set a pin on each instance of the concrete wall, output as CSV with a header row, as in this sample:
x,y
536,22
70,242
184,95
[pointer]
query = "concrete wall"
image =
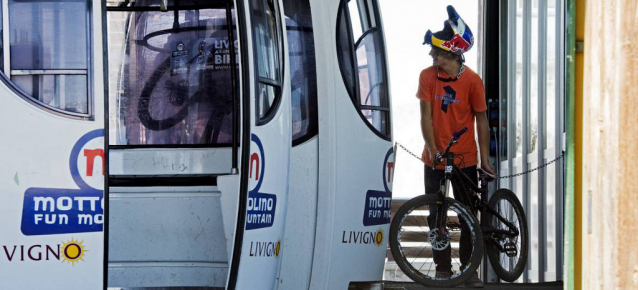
x,y
610,143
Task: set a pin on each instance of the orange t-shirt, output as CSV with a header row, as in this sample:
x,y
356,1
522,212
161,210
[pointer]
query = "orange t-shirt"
x,y
454,105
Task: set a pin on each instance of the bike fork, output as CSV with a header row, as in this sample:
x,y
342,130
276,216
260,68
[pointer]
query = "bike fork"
x,y
441,216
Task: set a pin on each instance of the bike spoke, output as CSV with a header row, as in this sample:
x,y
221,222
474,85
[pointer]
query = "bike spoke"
x,y
429,269
417,256
424,231
423,264
421,229
425,222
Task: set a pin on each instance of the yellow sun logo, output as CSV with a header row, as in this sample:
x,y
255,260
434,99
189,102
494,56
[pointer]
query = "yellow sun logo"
x,y
378,237
277,249
73,251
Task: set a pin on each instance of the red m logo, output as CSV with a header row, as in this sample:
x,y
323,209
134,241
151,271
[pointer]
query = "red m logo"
x,y
90,159
254,159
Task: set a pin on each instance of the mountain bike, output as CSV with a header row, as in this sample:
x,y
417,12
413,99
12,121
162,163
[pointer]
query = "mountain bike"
x,y
433,226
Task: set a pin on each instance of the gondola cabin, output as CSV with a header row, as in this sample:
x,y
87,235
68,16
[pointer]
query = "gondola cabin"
x,y
220,144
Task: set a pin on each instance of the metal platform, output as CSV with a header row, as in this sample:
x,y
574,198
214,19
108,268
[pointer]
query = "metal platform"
x,y
392,285
388,285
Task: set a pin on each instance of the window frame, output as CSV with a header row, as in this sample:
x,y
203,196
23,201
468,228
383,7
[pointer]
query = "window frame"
x,y
236,76
6,78
370,23
278,85
313,130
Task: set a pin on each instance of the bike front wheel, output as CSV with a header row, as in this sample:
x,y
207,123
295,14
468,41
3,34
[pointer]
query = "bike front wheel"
x,y
420,243
507,234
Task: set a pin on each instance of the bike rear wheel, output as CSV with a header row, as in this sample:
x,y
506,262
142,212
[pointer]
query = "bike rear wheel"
x,y
412,243
507,252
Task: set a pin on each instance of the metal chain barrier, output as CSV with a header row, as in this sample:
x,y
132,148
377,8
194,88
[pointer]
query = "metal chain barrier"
x,y
500,177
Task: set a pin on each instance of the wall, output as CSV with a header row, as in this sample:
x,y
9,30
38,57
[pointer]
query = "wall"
x,y
610,181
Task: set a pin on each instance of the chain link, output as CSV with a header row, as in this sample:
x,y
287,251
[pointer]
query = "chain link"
x,y
406,149
500,177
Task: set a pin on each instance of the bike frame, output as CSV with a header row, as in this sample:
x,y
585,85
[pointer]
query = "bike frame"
x,y
452,171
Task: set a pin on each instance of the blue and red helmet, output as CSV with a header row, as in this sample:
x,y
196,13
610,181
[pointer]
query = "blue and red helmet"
x,y
455,37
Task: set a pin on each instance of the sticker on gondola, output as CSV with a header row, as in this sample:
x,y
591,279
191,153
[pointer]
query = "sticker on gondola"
x,y
193,56
48,211
378,204
377,209
260,207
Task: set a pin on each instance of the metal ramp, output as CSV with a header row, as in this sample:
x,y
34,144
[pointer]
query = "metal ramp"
x,y
392,285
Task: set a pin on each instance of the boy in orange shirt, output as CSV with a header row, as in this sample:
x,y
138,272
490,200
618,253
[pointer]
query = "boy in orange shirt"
x,y
452,97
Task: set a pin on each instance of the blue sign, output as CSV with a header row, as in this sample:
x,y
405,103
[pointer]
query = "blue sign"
x,y
377,209
260,208
260,212
48,211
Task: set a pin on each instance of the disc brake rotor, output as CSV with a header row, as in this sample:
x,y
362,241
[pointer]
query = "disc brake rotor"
x,y
439,241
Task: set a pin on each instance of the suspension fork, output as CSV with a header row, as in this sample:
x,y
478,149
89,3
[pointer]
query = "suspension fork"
x,y
441,215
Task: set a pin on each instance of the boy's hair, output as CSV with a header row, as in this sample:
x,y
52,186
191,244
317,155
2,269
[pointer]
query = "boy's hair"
x,y
458,57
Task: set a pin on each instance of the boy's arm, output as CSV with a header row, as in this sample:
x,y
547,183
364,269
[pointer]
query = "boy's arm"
x,y
427,129
484,141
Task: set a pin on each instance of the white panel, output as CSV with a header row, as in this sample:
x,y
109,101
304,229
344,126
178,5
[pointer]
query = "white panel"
x,y
171,162
153,226
267,201
169,274
268,167
301,217
228,185
352,161
37,154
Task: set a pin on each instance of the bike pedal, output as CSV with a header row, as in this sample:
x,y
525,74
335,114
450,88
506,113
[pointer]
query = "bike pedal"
x,y
510,249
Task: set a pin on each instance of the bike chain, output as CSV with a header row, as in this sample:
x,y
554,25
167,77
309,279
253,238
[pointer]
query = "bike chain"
x,y
500,177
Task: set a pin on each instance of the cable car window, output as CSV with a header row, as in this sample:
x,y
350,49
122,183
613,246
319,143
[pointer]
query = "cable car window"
x,y
266,39
303,70
353,8
373,97
171,76
368,90
268,51
345,49
153,3
266,98
369,65
49,53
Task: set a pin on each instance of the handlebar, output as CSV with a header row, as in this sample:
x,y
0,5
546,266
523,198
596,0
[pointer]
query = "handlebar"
x,y
455,138
458,134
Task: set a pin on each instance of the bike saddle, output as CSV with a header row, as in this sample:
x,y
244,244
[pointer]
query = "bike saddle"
x,y
482,173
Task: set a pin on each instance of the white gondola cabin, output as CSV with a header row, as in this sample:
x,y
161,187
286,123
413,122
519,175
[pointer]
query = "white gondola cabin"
x,y
219,144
